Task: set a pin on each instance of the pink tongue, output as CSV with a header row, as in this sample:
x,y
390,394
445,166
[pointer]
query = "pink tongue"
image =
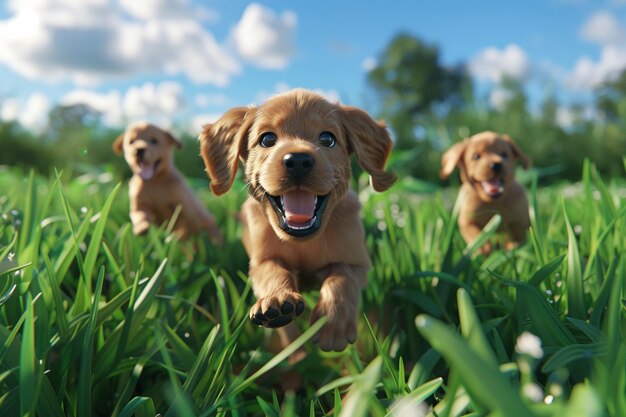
x,y
299,206
146,171
492,186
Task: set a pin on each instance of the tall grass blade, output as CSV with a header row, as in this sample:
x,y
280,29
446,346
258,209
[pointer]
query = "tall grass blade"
x,y
28,359
471,328
480,378
584,402
359,400
278,358
487,233
574,282
83,404
571,353
96,238
417,396
532,304
139,407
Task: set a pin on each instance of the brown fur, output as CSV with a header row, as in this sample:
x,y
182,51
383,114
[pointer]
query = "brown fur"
x,y
334,256
478,159
157,187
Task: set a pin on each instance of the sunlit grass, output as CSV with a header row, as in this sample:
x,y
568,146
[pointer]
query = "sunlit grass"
x,y
96,321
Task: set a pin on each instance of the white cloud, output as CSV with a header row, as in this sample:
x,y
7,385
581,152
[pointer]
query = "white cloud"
x,y
199,120
88,40
263,38
588,74
206,100
10,109
565,117
108,104
281,87
157,103
499,97
369,64
153,101
603,28
166,9
33,114
493,64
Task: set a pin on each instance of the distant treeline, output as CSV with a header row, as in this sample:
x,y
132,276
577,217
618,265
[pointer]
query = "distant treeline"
x,y
427,107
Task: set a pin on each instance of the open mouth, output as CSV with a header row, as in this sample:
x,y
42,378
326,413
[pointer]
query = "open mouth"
x,y
147,170
299,212
493,187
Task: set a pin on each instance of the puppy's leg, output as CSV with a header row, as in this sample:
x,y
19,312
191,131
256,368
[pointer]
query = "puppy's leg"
x,y
210,225
141,220
470,232
517,235
339,301
207,221
278,300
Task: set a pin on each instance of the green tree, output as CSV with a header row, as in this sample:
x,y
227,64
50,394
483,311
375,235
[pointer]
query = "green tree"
x,y
414,86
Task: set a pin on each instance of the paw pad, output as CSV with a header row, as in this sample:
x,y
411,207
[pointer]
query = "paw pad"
x,y
276,317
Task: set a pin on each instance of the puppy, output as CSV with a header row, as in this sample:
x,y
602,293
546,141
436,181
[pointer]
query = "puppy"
x,y
157,187
301,223
487,165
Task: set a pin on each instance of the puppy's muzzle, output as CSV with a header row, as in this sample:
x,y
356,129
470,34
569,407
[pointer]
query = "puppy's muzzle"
x,y
299,211
140,153
494,187
298,165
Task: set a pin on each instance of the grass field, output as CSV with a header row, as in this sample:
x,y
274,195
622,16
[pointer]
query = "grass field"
x,y
95,321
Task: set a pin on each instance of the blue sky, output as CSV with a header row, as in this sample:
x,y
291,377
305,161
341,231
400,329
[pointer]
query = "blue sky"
x,y
181,63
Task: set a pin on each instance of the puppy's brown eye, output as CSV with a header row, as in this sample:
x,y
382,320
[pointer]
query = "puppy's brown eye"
x,y
476,157
153,141
327,139
268,140
504,155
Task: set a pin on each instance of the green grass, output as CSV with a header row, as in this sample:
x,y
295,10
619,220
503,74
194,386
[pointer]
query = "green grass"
x,y
95,321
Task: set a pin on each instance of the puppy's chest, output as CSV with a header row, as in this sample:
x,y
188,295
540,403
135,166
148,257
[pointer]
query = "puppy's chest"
x,y
161,196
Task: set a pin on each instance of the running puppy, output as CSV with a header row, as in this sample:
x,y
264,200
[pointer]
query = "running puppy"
x,y
487,165
301,222
157,187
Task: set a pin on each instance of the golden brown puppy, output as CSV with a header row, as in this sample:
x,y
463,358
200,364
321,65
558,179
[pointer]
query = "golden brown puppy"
x,y
157,187
487,164
301,222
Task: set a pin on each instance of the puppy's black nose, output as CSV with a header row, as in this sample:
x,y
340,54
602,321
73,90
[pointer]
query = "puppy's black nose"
x,y
139,152
298,164
496,166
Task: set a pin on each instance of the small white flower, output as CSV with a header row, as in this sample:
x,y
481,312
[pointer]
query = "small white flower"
x,y
533,392
529,344
10,256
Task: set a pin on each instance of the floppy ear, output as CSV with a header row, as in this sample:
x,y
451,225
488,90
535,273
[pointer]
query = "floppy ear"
x,y
118,145
222,144
371,144
517,152
452,157
174,140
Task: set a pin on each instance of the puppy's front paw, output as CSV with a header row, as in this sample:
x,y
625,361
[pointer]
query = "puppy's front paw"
x,y
141,228
339,330
277,311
